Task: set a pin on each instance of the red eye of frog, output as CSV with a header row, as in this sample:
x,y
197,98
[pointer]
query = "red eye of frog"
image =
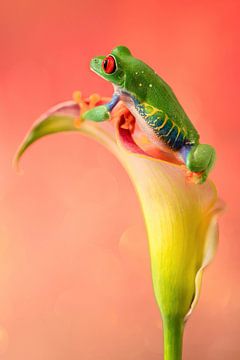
x,y
109,64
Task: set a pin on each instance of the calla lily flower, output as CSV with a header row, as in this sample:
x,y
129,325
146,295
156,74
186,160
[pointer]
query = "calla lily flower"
x,y
180,216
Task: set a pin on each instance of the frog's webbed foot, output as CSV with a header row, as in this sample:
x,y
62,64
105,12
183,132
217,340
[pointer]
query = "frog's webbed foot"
x,y
199,159
84,106
196,177
101,112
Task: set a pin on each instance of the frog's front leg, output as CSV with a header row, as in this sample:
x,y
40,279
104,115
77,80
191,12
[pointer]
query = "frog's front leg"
x,y
199,158
101,112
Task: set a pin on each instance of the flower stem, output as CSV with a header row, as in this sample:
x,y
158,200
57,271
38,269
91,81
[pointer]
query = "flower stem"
x,y
173,337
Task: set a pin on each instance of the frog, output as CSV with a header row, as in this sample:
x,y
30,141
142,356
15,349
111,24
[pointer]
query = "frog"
x,y
155,107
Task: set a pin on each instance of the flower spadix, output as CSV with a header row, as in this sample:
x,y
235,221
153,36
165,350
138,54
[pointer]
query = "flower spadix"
x,y
180,216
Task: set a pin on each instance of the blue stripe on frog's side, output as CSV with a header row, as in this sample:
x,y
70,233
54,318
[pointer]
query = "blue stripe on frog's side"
x,y
163,127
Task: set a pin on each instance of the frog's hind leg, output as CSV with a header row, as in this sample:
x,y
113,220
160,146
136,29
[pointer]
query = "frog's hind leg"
x,y
199,159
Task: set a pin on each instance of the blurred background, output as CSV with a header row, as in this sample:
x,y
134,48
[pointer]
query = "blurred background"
x,y
75,281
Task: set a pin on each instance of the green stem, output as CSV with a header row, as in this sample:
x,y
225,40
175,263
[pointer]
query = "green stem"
x,y
173,337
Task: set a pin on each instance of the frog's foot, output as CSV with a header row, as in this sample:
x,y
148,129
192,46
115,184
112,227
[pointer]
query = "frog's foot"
x,y
101,112
97,114
84,106
200,160
196,177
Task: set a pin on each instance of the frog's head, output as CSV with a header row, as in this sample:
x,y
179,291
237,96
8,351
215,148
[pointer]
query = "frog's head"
x,y
113,66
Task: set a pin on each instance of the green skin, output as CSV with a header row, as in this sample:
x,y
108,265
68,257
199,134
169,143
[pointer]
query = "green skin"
x,y
133,78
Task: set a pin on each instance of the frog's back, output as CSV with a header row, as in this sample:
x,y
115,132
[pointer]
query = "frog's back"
x,y
151,92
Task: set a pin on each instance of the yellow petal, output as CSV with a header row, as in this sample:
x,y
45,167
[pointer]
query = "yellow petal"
x,y
178,216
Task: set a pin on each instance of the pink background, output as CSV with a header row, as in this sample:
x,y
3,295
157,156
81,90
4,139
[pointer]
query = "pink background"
x,y
74,270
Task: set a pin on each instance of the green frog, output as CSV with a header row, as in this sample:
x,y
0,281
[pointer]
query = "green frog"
x,y
155,107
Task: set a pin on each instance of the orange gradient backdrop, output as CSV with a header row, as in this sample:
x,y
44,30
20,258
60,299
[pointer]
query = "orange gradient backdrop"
x,y
74,269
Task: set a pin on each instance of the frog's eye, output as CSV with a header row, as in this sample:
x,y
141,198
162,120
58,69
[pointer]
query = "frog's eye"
x,y
109,64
